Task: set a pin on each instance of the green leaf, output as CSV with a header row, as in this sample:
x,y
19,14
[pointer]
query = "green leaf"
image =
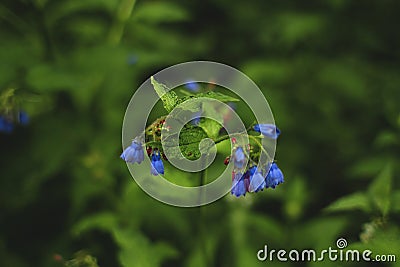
x,y
82,259
396,201
296,200
105,221
211,126
211,94
261,222
367,167
189,140
356,201
137,250
169,98
61,9
157,12
331,226
387,139
46,77
380,190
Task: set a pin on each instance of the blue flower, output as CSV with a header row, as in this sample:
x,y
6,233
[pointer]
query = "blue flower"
x,y
23,118
132,59
267,129
274,176
157,166
238,184
6,125
196,118
192,86
239,159
257,181
133,153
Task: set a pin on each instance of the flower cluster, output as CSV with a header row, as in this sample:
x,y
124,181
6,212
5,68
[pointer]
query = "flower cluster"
x,y
7,122
202,122
250,178
253,180
134,153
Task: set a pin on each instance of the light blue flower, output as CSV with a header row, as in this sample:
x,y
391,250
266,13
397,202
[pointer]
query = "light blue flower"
x,y
238,184
134,152
257,181
267,129
239,158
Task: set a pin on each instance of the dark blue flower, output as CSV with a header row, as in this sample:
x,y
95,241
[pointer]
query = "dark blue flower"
x,y
157,166
133,153
267,129
6,125
238,184
239,158
274,176
257,181
192,86
23,118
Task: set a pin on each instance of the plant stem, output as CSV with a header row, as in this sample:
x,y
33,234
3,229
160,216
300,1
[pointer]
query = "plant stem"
x,y
123,13
254,138
202,221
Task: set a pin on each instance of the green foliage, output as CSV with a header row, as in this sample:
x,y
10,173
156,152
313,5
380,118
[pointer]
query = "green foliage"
x,y
355,201
82,260
213,95
378,196
190,136
380,190
189,140
169,98
211,126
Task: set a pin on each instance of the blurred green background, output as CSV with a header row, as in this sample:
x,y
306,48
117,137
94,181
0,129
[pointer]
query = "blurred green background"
x,y
329,69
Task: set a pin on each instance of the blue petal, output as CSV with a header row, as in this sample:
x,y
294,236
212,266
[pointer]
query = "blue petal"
x,y
153,170
252,170
133,153
257,182
238,184
192,86
239,158
157,167
196,118
6,126
268,129
2,124
23,118
274,176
